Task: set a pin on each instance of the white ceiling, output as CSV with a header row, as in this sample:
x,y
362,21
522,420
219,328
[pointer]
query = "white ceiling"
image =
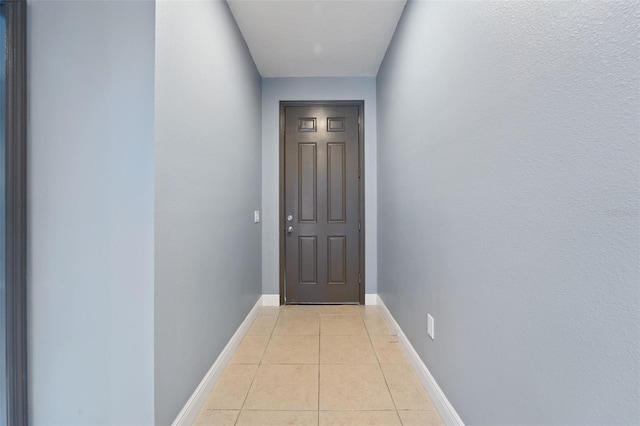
x,y
317,38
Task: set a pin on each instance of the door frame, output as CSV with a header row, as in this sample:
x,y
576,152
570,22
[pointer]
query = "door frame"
x,y
16,212
361,215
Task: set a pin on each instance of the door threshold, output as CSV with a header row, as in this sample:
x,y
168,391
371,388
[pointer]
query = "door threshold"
x,y
321,303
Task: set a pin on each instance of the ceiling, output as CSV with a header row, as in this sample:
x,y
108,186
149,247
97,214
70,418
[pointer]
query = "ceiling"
x,y
317,38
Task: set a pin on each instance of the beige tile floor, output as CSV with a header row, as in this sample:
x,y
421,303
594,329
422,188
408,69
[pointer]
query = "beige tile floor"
x,y
319,365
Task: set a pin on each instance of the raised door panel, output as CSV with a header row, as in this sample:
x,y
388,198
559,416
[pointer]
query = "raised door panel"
x,y
308,260
336,182
337,260
307,182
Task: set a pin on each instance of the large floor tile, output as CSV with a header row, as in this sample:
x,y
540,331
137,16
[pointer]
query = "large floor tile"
x,y
232,387
370,310
359,418
406,389
301,310
292,350
297,326
216,418
342,325
269,311
277,418
376,324
262,325
340,310
388,349
353,387
284,387
420,418
250,350
346,350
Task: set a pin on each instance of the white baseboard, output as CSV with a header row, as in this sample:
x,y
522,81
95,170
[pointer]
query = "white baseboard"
x,y
444,407
270,300
370,299
191,409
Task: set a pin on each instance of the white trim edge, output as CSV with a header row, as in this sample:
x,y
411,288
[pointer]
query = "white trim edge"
x,y
370,299
270,300
190,410
444,407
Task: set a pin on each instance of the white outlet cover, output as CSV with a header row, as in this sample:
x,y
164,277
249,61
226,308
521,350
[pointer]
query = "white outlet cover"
x,y
256,216
430,326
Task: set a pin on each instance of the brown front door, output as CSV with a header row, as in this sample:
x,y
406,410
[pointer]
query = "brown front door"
x,y
322,204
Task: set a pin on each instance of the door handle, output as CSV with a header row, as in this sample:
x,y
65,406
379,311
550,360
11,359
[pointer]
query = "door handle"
x,y
289,229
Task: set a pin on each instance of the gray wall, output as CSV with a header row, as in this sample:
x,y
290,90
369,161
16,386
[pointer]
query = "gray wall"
x,y
91,212
275,90
207,158
508,205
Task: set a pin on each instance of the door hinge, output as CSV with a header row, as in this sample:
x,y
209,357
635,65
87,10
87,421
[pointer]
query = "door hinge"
x,y
359,278
358,226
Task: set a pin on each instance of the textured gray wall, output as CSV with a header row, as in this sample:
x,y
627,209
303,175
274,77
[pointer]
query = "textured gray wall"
x,y
275,90
207,158
91,212
508,193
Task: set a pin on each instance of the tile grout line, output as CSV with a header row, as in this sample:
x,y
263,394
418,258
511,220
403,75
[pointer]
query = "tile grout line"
x,y
257,368
383,376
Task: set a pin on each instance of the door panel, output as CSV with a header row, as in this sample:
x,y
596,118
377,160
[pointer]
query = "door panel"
x,y
308,182
336,191
322,199
308,260
337,260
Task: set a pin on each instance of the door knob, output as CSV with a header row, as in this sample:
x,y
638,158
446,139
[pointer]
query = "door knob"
x,y
290,229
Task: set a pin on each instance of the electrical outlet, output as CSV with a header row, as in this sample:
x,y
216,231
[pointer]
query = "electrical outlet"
x,y
430,326
256,216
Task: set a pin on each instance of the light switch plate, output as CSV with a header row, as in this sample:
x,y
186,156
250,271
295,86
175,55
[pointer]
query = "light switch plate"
x,y
430,326
256,216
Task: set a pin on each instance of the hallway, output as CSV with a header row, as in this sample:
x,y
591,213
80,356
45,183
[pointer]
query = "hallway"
x,y
319,365
501,199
